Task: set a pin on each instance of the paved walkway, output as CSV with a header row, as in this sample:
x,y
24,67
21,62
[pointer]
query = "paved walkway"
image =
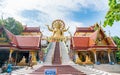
x,y
113,69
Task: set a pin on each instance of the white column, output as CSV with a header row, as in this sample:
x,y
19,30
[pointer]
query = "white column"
x,y
94,51
109,51
95,57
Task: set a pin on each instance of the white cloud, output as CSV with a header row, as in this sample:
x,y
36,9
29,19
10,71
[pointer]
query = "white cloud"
x,y
53,9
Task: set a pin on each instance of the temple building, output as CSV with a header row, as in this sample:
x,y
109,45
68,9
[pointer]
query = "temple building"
x,y
33,31
29,41
91,45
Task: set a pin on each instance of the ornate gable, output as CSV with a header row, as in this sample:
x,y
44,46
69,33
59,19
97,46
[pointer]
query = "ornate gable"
x,y
101,38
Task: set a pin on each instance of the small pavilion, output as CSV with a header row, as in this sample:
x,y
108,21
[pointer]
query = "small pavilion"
x,y
30,41
91,45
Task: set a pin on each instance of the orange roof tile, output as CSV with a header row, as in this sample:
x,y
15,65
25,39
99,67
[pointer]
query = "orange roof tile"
x,y
111,42
31,29
84,29
24,42
28,41
87,42
80,42
11,37
94,35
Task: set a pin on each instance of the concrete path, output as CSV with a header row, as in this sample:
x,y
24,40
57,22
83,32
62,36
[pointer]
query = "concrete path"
x,y
113,69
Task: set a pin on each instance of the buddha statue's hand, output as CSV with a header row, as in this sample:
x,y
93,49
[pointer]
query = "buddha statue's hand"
x,y
50,29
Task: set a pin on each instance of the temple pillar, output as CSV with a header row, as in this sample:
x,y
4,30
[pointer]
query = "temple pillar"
x,y
10,54
33,54
94,51
109,51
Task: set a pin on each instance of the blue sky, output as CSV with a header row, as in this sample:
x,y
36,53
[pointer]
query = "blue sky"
x,y
73,12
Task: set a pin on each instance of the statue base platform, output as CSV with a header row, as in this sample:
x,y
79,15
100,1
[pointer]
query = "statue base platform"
x,y
56,39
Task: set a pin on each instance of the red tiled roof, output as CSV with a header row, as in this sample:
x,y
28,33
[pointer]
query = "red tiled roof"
x,y
11,37
23,42
84,29
111,42
87,42
80,42
28,41
31,29
94,35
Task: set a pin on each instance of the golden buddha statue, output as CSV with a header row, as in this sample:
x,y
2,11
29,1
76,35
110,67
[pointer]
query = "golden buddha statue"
x,y
88,60
78,61
22,62
58,29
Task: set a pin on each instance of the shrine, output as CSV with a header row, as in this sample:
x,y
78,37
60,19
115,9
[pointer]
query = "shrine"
x,y
29,41
91,45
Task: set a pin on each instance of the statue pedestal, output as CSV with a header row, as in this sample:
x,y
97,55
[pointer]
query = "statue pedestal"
x,y
56,39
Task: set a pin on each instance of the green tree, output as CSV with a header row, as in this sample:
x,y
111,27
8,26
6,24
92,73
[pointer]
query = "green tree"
x,y
117,41
14,26
113,13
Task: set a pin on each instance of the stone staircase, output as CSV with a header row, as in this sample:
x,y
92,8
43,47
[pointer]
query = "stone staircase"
x,y
56,58
61,69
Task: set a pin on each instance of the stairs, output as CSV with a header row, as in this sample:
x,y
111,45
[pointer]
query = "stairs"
x,y
56,63
56,58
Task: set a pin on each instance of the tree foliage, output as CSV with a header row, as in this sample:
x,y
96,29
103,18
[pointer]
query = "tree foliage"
x,y
117,41
12,25
113,13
